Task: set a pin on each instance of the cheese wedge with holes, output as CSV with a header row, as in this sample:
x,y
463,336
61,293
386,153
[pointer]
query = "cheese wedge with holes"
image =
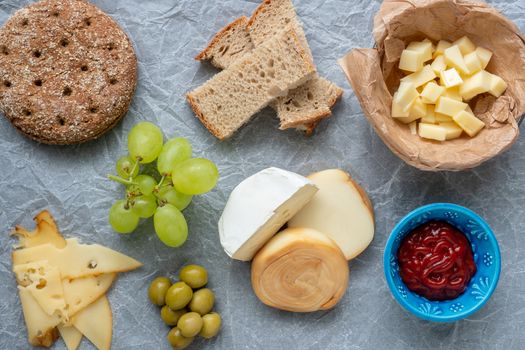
x,y
258,207
95,323
77,260
41,327
81,292
71,336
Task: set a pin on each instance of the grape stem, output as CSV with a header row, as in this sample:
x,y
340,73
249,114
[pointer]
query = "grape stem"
x,y
121,180
156,189
133,170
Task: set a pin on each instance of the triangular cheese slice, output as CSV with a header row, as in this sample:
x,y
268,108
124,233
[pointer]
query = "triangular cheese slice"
x,y
80,292
71,336
95,322
46,231
77,260
41,327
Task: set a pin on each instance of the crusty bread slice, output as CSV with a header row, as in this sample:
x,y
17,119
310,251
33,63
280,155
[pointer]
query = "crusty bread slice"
x,y
228,45
229,99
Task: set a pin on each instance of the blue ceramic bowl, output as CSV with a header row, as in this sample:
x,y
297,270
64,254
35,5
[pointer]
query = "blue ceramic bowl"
x,y
486,256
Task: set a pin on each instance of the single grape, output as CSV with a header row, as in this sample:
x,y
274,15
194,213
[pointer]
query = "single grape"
x,y
146,184
195,176
121,218
173,152
145,142
168,194
125,165
170,225
144,206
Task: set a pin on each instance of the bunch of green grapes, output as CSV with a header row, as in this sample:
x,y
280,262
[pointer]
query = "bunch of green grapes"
x,y
162,197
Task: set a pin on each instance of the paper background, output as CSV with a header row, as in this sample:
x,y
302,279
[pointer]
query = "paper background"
x,y
71,182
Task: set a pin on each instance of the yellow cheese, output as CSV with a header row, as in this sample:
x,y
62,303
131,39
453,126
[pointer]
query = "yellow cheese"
x,y
418,109
405,96
430,117
497,85
453,93
473,62
484,56
411,61
439,64
77,260
454,58
421,77
95,323
441,118
413,128
81,292
431,92
41,327
397,110
450,107
475,85
465,45
432,132
453,130
423,47
441,47
45,285
450,78
46,232
71,336
469,123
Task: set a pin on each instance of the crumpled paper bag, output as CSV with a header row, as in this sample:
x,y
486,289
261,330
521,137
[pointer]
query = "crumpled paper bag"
x,y
374,76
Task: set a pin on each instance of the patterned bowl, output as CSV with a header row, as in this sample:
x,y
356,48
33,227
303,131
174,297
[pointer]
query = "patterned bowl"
x,y
486,256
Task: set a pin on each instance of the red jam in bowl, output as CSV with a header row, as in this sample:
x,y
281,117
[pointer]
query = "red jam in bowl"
x,y
436,261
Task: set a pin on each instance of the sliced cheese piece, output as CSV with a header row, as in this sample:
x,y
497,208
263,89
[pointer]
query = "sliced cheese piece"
x,y
450,78
473,62
41,327
475,85
397,110
418,109
454,58
432,132
77,260
45,285
421,77
71,336
430,117
341,210
441,118
497,85
413,128
469,123
450,107
438,65
453,130
432,92
411,61
441,47
405,95
81,292
484,56
95,323
465,45
258,207
46,231
453,93
424,47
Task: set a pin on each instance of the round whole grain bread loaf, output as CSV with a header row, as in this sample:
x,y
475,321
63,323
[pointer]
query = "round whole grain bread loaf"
x,y
67,71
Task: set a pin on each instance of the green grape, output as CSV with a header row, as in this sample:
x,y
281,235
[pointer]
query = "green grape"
x,y
124,166
168,194
144,206
146,184
145,142
173,152
170,225
121,218
195,176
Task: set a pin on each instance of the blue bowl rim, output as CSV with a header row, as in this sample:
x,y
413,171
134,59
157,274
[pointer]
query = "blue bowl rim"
x,y
397,229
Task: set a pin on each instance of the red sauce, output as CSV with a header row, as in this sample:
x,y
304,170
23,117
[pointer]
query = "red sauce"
x,y
436,261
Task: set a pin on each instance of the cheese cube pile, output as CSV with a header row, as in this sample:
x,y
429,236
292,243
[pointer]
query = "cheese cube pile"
x,y
433,97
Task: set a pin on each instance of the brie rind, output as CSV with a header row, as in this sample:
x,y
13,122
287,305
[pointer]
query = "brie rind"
x,y
258,207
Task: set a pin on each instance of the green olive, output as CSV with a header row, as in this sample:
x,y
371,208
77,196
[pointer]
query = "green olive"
x,y
190,324
202,301
178,296
194,275
157,290
177,340
171,317
211,324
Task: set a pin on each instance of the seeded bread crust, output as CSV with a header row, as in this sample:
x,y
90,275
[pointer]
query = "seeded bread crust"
x,y
68,72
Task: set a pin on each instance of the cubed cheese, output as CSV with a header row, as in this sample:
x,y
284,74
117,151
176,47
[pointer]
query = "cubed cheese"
x,y
453,130
469,123
450,78
454,58
441,47
397,110
432,132
413,128
424,47
411,61
450,107
475,85
465,45
418,109
405,96
430,117
497,85
421,77
473,63
484,56
453,93
441,118
431,92
439,64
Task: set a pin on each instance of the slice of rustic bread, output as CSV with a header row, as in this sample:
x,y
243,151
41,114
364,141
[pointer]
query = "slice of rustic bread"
x,y
229,99
228,45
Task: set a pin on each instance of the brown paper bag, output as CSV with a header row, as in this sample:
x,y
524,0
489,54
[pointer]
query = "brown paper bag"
x,y
374,76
